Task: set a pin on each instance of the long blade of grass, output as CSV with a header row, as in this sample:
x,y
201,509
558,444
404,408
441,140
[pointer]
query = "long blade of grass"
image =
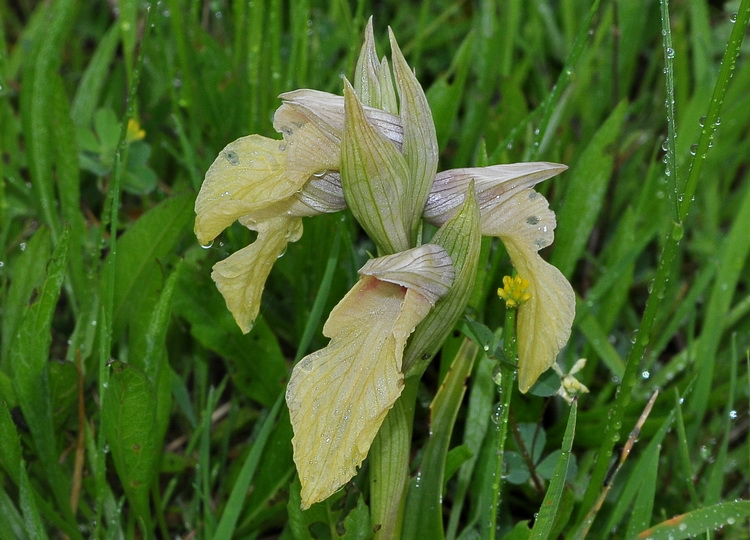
x,y
228,521
696,523
29,358
11,521
37,101
424,514
718,466
730,270
654,300
32,519
548,511
316,313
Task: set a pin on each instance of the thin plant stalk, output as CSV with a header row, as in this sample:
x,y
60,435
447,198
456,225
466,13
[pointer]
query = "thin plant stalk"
x,y
504,392
669,253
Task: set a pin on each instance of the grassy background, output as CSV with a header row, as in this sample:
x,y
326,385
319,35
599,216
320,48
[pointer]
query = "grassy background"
x,y
132,406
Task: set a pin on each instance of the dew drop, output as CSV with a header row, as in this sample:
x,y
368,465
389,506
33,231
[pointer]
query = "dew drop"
x,y
693,149
702,121
532,220
232,157
208,245
670,52
733,17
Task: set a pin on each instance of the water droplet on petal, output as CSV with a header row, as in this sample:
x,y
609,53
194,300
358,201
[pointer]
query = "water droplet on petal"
x,y
208,245
232,157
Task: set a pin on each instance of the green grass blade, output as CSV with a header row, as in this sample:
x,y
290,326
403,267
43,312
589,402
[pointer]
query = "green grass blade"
x,y
89,90
718,467
29,357
37,103
11,521
234,506
735,252
648,469
28,274
33,521
548,511
10,445
152,238
586,187
316,313
481,398
696,523
424,514
711,121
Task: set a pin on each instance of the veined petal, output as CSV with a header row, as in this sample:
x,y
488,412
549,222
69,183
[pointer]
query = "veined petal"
x,y
241,277
254,173
322,194
372,79
420,140
326,111
339,396
427,269
493,185
460,236
375,179
525,224
366,71
309,149
249,174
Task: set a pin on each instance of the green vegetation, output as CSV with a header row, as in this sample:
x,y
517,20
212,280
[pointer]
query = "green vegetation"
x,y
132,406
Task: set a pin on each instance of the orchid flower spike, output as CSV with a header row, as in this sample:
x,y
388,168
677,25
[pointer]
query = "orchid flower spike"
x,y
374,151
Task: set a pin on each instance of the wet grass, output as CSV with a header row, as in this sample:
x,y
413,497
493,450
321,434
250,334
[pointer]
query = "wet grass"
x,y
132,406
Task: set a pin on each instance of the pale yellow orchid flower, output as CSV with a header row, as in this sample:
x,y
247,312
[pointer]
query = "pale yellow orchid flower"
x,y
521,218
374,150
338,396
269,185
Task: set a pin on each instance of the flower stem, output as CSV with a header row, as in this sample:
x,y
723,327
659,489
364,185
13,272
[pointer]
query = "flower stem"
x,y
504,380
389,464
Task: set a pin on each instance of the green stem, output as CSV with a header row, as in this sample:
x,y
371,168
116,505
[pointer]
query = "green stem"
x,y
389,465
504,389
683,200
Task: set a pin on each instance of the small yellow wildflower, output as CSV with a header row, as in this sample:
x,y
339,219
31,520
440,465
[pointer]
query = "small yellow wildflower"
x,y
514,292
135,133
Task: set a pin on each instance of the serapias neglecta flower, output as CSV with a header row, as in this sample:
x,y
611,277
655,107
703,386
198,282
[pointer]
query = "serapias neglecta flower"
x,y
374,151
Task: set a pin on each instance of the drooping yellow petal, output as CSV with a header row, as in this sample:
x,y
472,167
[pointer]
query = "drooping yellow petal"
x,y
339,396
254,173
525,224
241,277
249,174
